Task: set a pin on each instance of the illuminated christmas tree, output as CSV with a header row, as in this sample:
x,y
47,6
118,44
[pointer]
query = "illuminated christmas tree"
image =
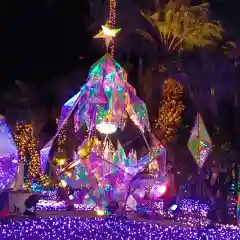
x,y
110,134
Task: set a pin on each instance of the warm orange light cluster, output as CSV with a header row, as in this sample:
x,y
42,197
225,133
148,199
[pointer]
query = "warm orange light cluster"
x,y
170,110
27,143
112,22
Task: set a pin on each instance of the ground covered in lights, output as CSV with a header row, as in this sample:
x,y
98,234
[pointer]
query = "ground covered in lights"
x,y
101,228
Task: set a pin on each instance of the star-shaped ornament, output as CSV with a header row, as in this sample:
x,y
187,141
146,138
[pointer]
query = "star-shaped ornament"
x,y
108,34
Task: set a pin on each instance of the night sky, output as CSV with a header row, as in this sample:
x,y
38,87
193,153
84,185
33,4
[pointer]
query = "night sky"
x,y
227,11
40,39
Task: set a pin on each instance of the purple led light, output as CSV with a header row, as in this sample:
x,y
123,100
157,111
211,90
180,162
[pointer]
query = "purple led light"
x,y
187,206
8,155
99,228
8,170
52,205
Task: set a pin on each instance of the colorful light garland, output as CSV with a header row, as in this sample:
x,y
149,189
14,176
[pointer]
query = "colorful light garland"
x,y
59,228
106,99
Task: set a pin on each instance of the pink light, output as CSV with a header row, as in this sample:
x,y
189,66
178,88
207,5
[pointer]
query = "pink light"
x,y
71,197
162,189
158,190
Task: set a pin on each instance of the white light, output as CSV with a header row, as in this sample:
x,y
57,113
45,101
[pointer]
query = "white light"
x,y
107,127
162,189
174,207
15,161
71,197
108,32
63,183
100,212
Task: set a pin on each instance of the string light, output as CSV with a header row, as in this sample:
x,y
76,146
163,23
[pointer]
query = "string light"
x,y
27,143
62,136
112,22
107,228
170,110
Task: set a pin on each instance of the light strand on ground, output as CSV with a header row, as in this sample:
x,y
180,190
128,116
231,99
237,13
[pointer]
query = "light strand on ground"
x,y
112,22
49,228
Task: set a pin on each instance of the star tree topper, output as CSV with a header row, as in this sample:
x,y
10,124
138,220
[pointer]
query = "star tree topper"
x,y
108,34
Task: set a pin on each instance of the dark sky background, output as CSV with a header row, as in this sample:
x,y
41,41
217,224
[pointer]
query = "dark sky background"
x,y
227,11
40,39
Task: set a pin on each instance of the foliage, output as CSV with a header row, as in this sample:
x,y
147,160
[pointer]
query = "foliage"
x,y
184,26
209,76
170,110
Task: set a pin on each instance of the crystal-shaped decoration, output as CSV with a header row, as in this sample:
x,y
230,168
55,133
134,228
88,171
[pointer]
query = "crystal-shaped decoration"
x,y
199,143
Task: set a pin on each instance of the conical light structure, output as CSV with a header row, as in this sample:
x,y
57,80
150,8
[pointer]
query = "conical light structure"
x,y
104,104
199,143
106,100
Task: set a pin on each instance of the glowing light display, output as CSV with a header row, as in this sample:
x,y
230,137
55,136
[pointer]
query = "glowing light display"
x,y
61,228
199,143
105,103
107,128
8,155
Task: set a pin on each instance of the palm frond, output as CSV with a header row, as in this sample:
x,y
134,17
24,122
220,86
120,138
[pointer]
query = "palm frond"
x,y
181,26
145,34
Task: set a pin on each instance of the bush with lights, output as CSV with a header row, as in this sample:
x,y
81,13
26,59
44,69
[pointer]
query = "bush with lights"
x,y
27,143
170,110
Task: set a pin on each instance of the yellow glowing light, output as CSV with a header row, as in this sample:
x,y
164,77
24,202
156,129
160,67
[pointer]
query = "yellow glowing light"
x,y
63,184
68,174
153,166
60,161
27,143
100,212
108,34
184,26
170,110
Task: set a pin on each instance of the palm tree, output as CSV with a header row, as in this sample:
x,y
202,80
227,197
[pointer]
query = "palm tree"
x,y
183,27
